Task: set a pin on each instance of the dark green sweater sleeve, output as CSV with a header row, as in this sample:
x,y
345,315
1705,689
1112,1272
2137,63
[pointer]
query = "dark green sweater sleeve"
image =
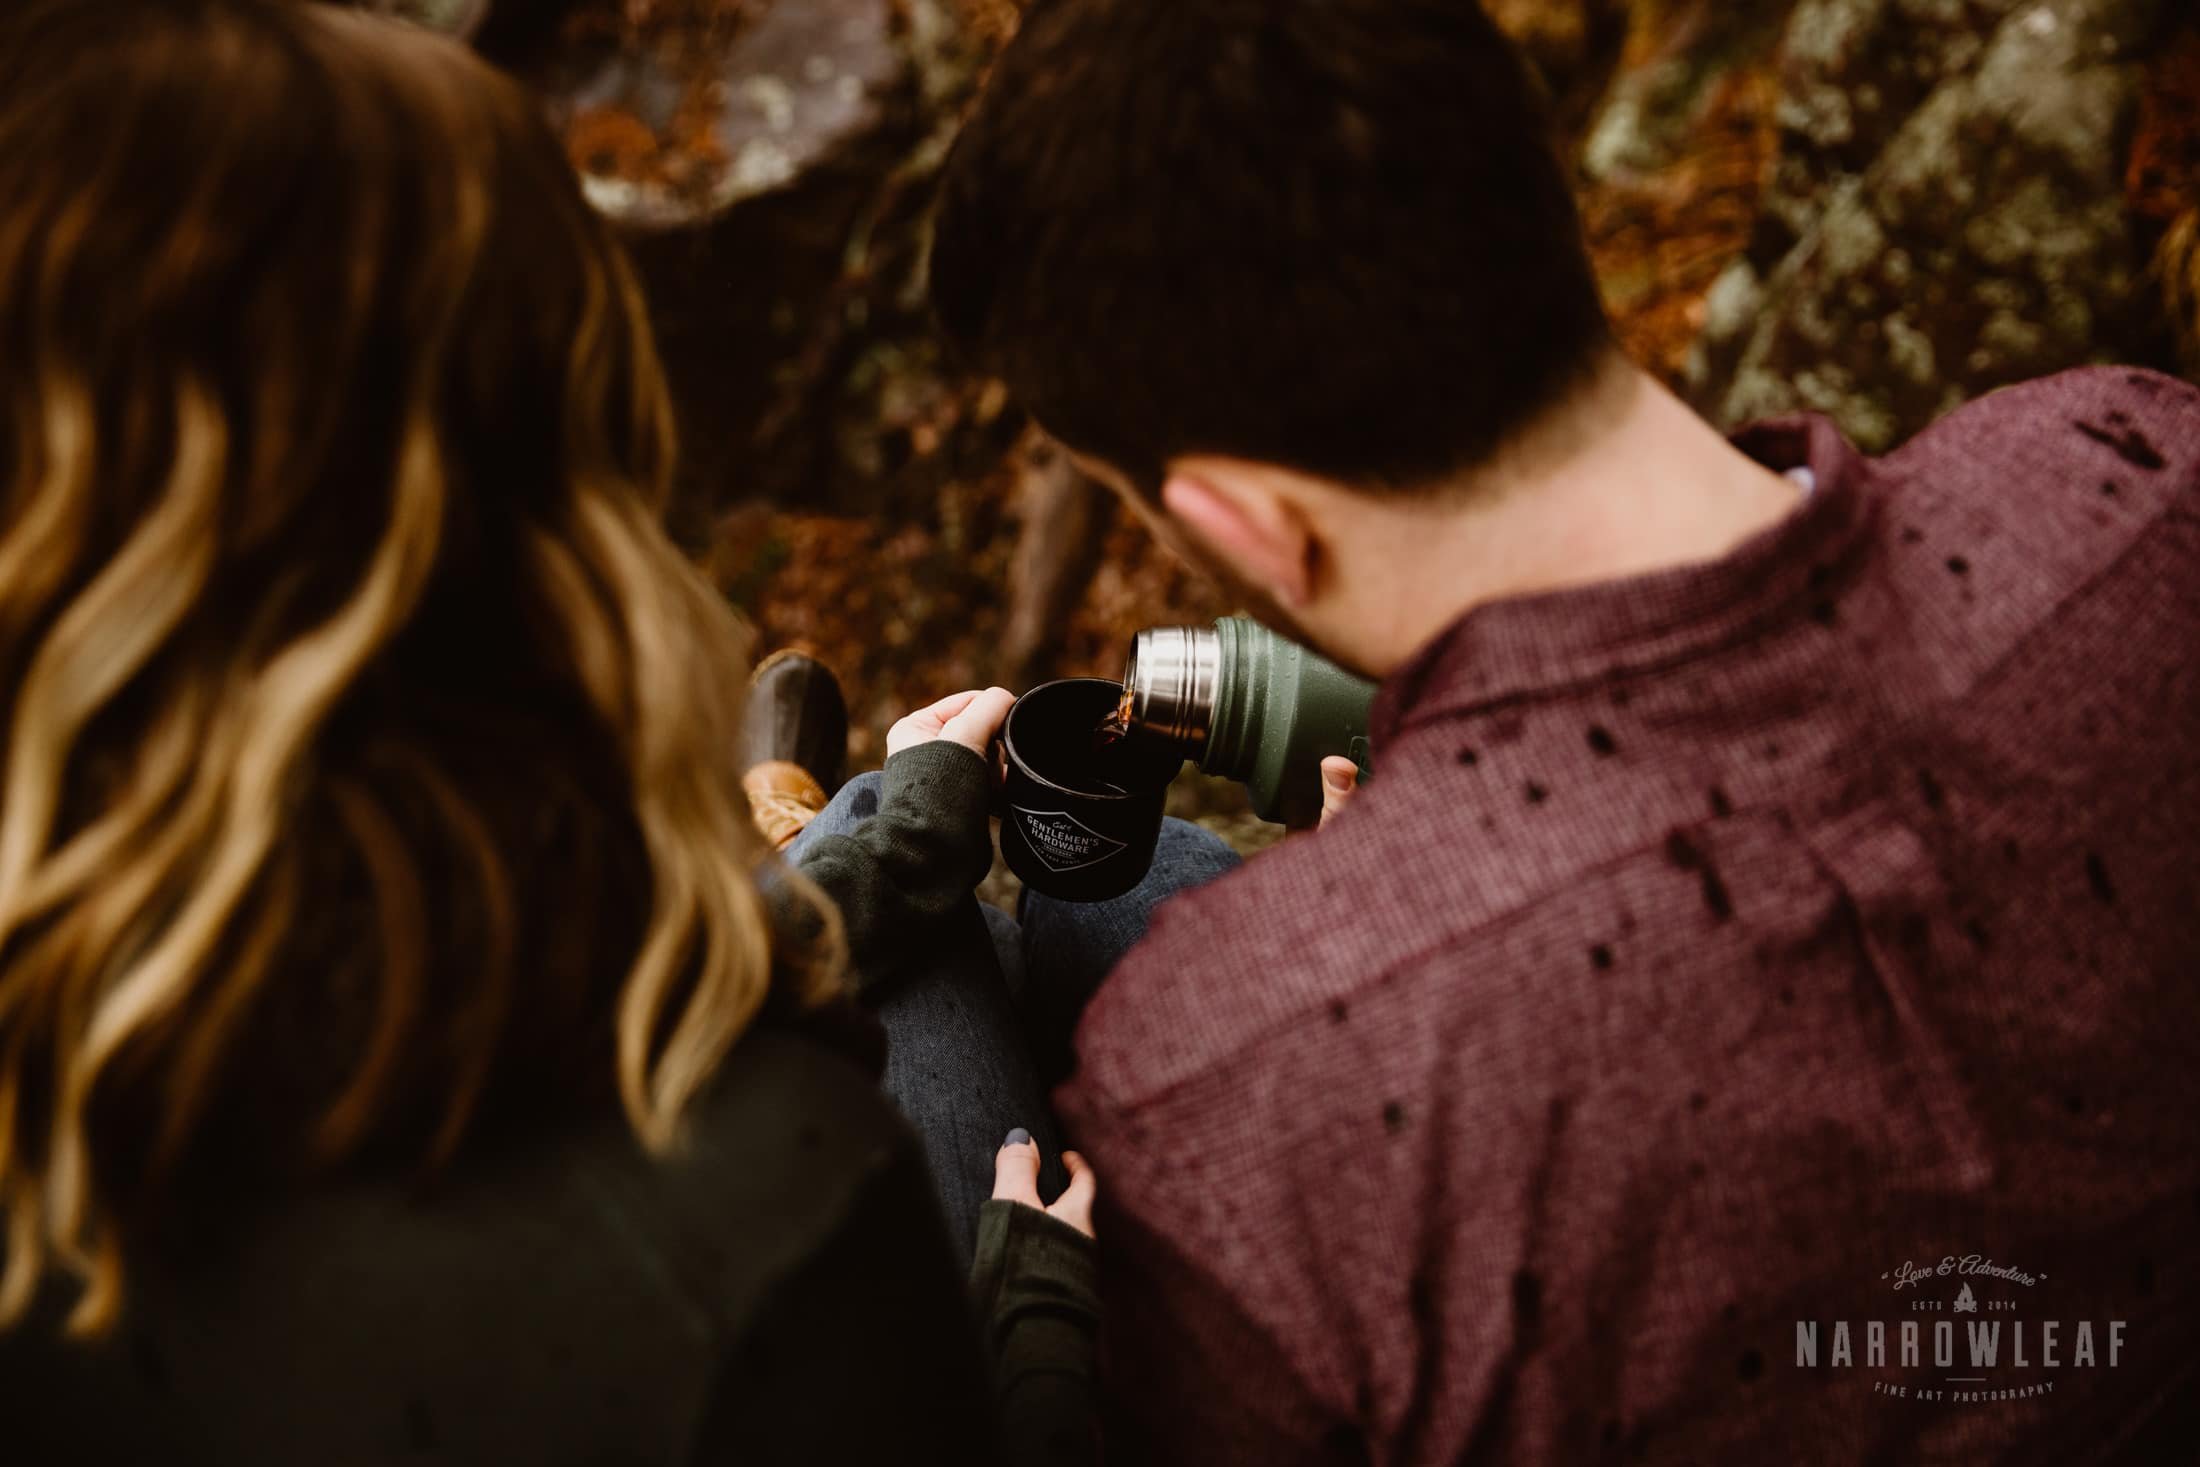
x,y
863,1355
913,865
1035,1284
898,879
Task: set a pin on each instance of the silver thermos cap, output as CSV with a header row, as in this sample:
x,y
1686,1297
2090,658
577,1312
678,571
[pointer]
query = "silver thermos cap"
x,y
1170,684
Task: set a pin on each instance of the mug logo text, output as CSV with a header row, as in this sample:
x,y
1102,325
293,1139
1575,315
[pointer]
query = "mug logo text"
x,y
1062,842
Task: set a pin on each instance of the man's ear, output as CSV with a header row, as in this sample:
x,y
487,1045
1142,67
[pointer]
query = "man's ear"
x,y
1242,519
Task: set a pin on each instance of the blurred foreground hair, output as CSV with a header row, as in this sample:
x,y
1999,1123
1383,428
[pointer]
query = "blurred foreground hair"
x,y
368,747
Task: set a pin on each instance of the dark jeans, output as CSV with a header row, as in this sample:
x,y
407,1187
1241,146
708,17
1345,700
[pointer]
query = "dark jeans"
x,y
977,1035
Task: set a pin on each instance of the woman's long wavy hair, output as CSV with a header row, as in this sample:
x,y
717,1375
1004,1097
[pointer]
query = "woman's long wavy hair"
x,y
368,767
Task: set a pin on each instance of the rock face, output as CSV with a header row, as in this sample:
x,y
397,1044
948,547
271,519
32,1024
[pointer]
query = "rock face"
x,y
768,162
1677,61
1946,216
674,125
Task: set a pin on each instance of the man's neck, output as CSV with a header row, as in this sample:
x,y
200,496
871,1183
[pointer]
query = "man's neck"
x,y
1629,482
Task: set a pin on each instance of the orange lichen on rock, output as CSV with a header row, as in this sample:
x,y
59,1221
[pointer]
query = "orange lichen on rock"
x,y
1660,240
681,43
611,141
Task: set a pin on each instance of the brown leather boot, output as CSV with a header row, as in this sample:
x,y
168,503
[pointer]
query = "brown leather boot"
x,y
794,742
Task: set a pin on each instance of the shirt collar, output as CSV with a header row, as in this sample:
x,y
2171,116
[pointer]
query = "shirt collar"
x,y
1524,645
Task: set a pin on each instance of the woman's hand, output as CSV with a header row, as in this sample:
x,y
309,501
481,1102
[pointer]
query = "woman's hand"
x,y
972,719
1016,1179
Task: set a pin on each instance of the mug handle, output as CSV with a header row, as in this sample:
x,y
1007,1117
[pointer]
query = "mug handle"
x,y
996,762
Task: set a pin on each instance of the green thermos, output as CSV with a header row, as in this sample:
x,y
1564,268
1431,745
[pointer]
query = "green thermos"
x,y
1248,705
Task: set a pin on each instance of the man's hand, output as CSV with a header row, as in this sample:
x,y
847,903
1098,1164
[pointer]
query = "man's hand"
x,y
1016,1179
1340,779
971,719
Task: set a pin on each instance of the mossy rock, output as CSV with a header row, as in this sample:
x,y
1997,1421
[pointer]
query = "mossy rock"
x,y
1947,215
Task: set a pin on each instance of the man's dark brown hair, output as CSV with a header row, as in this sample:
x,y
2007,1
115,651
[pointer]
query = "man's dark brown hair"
x,y
1328,234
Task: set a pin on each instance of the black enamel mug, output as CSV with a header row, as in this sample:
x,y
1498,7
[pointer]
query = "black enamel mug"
x,y
1081,814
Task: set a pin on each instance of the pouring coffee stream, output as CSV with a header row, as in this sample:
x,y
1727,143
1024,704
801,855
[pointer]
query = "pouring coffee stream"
x,y
1114,728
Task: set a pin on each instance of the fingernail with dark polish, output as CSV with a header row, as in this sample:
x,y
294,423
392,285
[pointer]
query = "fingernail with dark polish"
x,y
1017,1137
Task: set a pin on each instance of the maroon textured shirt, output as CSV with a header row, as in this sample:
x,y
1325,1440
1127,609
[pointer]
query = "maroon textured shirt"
x,y
1714,951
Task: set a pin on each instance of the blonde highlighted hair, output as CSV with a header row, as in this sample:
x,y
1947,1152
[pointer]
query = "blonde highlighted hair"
x,y
368,760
